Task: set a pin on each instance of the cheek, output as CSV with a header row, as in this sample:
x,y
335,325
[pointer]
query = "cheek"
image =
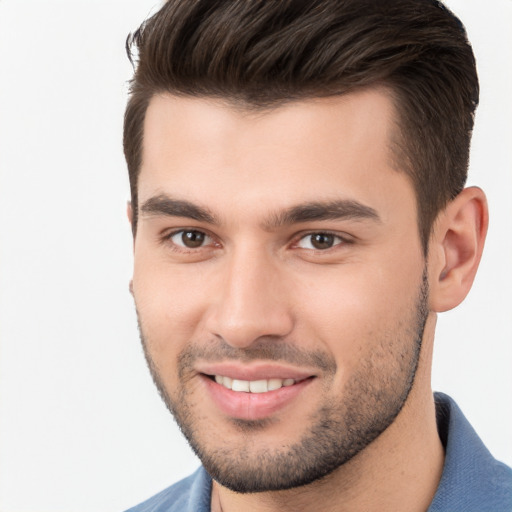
x,y
170,305
356,308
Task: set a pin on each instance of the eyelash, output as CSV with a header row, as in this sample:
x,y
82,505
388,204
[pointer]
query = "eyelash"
x,y
167,239
340,240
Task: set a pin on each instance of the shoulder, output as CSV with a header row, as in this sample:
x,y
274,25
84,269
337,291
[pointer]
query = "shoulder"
x,y
190,494
472,479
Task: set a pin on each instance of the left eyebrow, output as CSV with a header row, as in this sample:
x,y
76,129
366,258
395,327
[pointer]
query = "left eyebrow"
x,y
330,210
165,205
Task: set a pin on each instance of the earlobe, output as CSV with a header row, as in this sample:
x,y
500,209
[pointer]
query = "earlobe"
x,y
456,247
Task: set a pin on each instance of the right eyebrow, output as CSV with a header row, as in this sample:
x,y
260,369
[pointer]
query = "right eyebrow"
x,y
318,211
167,206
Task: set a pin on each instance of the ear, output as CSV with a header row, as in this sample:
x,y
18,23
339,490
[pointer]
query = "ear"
x,y
456,247
129,212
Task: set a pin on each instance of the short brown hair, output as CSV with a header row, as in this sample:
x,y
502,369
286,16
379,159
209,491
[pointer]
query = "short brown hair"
x,y
266,52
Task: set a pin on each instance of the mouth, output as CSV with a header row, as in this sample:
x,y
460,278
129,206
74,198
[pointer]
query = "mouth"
x,y
254,386
254,397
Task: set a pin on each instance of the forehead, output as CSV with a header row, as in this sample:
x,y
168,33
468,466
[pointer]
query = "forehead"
x,y
205,150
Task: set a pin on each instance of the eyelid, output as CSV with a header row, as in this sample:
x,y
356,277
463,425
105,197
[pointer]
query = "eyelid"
x,y
166,238
343,237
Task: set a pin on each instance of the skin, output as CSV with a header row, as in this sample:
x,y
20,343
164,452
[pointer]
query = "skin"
x,y
255,283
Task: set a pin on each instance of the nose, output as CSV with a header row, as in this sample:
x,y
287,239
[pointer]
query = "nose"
x,y
251,303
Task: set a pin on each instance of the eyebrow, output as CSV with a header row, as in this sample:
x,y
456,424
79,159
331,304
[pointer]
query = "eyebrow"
x,y
329,210
164,205
306,212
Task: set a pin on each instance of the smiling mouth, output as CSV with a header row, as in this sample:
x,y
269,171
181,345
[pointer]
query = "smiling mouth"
x,y
253,386
255,399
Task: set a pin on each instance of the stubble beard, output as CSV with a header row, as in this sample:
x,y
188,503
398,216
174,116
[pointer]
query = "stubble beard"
x,y
372,399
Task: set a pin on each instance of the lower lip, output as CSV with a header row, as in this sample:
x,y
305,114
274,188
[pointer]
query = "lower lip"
x,y
253,406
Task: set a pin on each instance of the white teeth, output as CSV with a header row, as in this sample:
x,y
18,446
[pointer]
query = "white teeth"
x,y
274,384
253,386
240,385
258,386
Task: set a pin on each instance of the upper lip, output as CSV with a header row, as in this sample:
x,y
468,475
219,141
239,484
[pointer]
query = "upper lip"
x,y
253,371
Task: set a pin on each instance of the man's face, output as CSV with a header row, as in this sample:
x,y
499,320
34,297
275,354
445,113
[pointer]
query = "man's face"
x,y
279,281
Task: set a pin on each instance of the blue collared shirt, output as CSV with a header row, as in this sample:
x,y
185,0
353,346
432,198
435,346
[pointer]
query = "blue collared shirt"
x,y
472,480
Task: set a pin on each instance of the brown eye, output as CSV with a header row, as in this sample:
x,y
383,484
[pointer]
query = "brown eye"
x,y
319,241
191,239
322,241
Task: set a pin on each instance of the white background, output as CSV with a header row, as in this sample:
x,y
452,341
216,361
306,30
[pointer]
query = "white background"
x,y
81,426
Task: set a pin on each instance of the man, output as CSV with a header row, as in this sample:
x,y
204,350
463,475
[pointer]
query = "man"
x,y
299,216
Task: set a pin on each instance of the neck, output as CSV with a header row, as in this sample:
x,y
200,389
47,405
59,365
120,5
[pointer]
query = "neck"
x,y
399,471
